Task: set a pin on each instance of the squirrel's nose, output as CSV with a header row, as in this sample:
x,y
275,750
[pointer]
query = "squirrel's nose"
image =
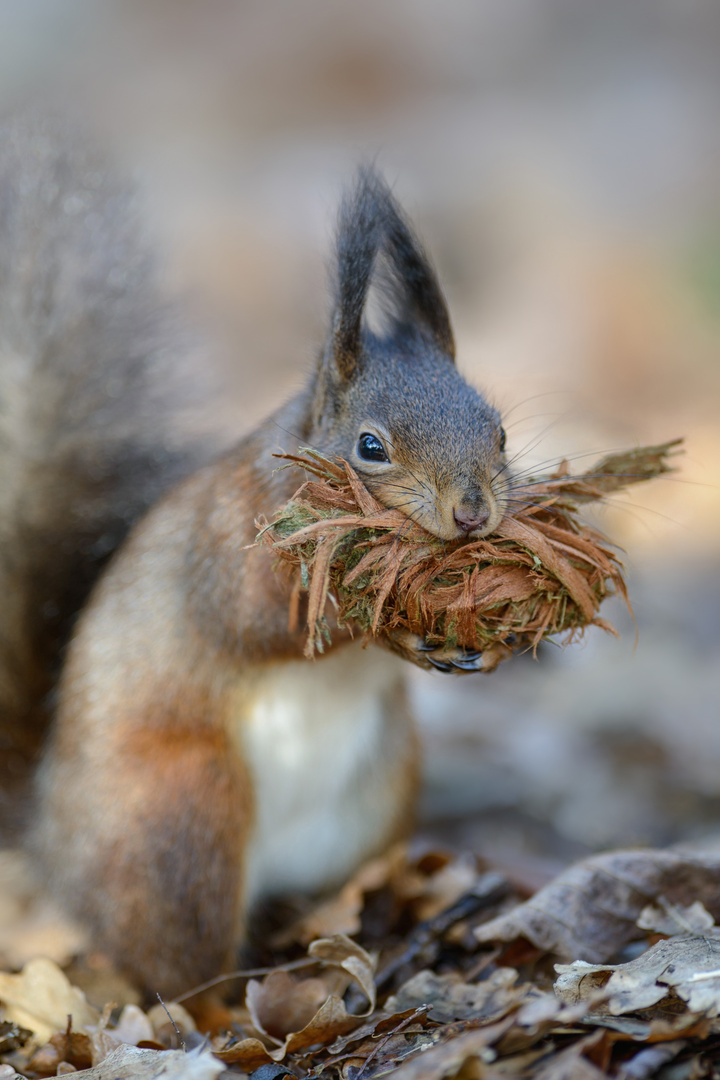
x,y
468,522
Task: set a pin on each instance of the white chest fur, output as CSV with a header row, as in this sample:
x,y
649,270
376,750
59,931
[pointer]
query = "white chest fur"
x,y
329,744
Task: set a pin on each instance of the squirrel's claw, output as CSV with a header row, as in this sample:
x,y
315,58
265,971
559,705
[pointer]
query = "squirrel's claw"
x,y
468,661
457,661
421,644
440,665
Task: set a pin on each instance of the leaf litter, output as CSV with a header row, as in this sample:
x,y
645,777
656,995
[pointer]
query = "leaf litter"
x,y
478,988
542,572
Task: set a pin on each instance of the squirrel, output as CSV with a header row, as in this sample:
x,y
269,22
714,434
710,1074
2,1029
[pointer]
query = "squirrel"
x,y
197,762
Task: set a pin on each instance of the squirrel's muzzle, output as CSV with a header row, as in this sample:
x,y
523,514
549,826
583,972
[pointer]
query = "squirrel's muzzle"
x,y
468,522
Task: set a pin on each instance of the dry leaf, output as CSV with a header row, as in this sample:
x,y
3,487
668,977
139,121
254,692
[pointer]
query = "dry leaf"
x,y
449,1058
330,1020
134,1026
305,1012
571,1063
340,951
590,911
648,1062
341,913
68,1048
539,1015
12,1036
131,1063
248,1054
382,1024
158,1018
666,918
421,888
440,890
45,1061
41,998
449,998
688,966
283,1003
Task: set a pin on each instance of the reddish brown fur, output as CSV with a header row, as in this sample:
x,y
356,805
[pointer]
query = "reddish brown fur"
x,y
147,802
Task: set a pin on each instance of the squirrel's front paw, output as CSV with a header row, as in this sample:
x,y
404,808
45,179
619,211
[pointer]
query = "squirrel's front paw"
x,y
455,661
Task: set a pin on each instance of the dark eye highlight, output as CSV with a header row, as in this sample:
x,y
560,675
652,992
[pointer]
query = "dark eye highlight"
x,y
370,448
503,440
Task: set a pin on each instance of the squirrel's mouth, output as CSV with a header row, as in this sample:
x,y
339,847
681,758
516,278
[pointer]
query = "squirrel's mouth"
x,y
452,523
472,517
453,515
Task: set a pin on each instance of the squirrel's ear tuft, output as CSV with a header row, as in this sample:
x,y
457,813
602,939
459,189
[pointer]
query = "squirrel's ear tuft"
x,y
371,224
359,236
411,291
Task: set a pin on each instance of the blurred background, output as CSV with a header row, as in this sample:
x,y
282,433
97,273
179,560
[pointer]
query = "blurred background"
x,y
561,160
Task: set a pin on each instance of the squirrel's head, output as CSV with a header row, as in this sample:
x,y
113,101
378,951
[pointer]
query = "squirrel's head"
x,y
391,401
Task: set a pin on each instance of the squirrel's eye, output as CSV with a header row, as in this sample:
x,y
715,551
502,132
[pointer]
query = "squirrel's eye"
x,y
503,440
370,448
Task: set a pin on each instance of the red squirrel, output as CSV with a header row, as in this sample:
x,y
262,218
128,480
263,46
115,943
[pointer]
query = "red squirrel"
x,y
198,762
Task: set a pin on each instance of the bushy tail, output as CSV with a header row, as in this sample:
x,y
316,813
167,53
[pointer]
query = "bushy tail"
x,y
97,377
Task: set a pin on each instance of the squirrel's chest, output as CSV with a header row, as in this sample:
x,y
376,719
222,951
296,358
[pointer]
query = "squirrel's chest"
x,y
329,745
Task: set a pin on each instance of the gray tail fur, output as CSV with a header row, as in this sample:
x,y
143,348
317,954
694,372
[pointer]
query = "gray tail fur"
x,y
97,374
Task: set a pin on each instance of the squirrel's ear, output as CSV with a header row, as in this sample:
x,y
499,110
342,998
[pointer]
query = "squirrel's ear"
x,y
359,235
371,224
413,296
